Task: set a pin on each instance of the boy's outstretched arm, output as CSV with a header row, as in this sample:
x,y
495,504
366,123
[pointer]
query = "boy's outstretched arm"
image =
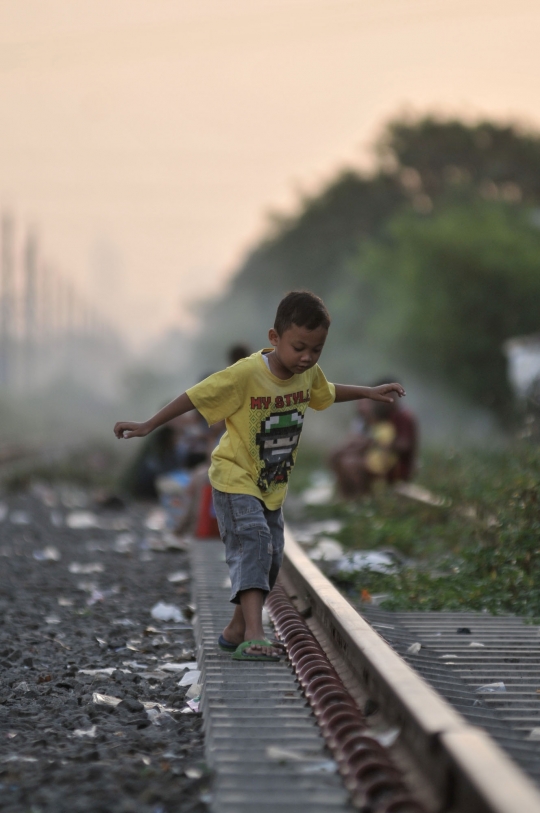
x,y
349,392
130,429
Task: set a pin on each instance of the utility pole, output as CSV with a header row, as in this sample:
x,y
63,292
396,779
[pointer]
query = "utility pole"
x,y
30,291
7,302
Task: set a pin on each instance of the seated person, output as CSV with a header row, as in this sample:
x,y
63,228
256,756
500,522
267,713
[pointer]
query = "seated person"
x,y
382,447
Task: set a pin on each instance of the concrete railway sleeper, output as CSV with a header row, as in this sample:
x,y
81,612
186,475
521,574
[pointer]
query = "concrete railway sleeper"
x,y
439,764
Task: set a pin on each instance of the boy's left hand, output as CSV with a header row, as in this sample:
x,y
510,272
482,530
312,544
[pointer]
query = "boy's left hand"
x,y
382,393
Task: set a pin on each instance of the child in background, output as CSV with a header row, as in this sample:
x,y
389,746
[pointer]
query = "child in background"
x,y
263,400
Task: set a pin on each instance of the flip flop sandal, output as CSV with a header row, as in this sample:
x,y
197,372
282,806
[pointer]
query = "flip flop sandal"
x,y
226,646
241,655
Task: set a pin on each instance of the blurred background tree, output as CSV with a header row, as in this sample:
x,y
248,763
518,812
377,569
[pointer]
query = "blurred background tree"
x,y
429,263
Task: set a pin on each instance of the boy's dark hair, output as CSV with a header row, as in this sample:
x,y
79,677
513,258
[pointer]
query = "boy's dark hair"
x,y
301,308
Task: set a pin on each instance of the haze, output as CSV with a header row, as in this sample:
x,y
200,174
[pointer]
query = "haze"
x,y
148,139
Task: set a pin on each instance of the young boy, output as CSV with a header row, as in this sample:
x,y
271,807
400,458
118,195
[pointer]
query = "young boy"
x,y
263,399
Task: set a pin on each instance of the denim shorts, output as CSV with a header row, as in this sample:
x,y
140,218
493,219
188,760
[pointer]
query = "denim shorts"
x,y
253,537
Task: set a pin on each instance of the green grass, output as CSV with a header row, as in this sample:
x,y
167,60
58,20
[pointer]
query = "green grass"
x,y
481,551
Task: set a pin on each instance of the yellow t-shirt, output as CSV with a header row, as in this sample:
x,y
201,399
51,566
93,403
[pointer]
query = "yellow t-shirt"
x,y
264,417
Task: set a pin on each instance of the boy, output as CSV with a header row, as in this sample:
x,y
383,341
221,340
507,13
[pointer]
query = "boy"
x,y
263,399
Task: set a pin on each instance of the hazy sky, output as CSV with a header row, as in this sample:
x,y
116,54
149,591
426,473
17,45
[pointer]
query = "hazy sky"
x,y
147,139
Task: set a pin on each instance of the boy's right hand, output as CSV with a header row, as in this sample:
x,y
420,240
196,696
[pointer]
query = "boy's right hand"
x,y
130,429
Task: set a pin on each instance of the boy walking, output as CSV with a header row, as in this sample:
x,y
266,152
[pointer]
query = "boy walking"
x,y
263,399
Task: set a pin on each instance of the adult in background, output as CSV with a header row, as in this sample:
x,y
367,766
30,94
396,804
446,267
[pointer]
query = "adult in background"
x,y
382,447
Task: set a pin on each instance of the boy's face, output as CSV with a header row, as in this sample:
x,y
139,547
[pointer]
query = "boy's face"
x,y
298,349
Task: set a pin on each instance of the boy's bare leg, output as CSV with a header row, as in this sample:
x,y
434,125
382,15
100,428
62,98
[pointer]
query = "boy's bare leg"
x,y
247,616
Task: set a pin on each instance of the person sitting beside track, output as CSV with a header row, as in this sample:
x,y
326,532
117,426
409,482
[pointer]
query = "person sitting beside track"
x,y
382,448
263,400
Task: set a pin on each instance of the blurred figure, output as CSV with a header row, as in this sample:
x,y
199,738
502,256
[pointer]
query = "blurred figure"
x,y
382,447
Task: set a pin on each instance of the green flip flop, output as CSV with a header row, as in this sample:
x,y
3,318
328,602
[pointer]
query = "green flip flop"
x,y
240,654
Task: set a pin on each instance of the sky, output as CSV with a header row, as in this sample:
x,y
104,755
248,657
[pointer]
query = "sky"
x,y
147,141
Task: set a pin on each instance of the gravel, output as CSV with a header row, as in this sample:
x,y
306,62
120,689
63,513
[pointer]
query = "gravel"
x,y
92,716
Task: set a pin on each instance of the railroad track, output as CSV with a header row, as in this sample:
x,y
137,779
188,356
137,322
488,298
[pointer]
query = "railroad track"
x,y
397,745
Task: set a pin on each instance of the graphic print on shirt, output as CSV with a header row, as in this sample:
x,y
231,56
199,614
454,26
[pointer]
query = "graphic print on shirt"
x,y
277,442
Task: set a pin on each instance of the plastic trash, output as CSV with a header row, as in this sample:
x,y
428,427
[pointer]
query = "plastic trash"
x,y
156,520
22,687
166,612
387,738
20,518
476,644
85,570
178,577
80,520
158,717
376,561
178,667
52,619
85,732
327,550
105,699
190,678
447,657
491,688
414,649
124,543
194,704
193,773
194,691
48,554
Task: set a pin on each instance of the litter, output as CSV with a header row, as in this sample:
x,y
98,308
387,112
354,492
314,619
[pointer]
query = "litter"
x,y
194,704
20,518
48,554
194,691
105,699
476,644
108,670
85,732
166,612
327,550
100,595
178,667
157,716
491,688
65,602
447,657
415,492
85,570
22,687
52,619
463,631
87,587
80,520
387,738
414,649
156,520
190,678
376,561
178,577
193,773
124,543
534,734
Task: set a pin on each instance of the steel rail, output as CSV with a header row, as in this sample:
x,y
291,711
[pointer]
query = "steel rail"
x,y
468,770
